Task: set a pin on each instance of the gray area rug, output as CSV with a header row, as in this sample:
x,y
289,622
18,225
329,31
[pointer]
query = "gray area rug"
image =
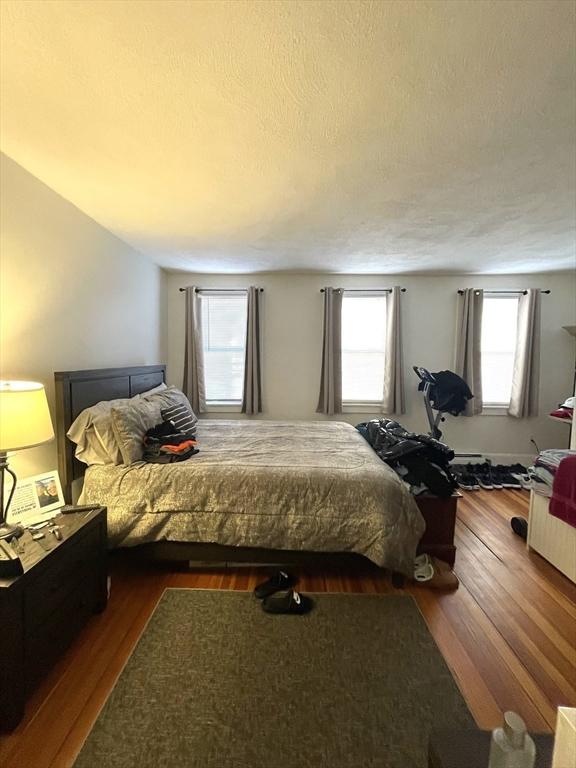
x,y
214,682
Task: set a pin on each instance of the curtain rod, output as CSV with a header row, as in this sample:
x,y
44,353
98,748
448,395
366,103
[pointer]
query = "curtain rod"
x,y
461,291
364,290
221,290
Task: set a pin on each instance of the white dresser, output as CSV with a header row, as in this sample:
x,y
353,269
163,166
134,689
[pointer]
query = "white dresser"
x,y
550,537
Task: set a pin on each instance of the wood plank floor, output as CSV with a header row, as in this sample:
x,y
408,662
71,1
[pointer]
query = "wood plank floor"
x,y
508,633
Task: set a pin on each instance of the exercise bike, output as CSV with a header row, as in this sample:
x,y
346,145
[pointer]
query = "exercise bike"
x,y
444,392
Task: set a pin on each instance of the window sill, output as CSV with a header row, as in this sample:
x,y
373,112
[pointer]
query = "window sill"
x,y
495,410
362,406
216,407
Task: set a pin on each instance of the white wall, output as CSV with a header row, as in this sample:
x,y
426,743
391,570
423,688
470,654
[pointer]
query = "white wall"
x,y
72,295
292,329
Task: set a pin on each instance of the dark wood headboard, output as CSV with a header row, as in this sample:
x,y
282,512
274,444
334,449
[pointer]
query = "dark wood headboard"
x,y
77,390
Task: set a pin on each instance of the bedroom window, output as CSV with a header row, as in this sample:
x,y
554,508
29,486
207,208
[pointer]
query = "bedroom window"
x,y
224,345
498,347
363,347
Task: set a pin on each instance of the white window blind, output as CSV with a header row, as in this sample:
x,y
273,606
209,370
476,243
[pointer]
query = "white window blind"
x,y
499,333
224,344
363,347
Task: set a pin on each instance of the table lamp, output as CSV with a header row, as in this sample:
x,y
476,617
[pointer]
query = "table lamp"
x,y
24,423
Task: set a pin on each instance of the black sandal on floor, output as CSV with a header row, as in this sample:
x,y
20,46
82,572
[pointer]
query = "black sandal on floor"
x,y
278,582
290,602
520,526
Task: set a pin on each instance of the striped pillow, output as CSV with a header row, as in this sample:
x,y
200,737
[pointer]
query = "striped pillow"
x,y
182,417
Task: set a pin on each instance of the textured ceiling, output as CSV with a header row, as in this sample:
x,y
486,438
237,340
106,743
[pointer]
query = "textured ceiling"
x,y
345,136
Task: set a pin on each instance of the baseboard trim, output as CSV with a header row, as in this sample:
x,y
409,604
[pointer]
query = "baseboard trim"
x,y
526,459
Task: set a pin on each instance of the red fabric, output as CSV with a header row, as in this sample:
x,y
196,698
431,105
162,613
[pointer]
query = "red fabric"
x,y
563,413
563,501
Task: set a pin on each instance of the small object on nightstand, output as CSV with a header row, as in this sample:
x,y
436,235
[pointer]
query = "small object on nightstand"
x,y
36,536
70,508
36,526
57,532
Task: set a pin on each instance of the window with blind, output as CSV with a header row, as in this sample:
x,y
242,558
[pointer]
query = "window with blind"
x,y
224,345
498,347
363,347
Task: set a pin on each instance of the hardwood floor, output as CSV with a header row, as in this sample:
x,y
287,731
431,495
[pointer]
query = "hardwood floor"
x,y
508,633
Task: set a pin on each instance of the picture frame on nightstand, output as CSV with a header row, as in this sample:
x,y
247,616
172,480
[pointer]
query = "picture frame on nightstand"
x,y
36,498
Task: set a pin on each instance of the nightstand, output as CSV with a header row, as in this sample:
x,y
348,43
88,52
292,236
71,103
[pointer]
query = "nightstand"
x,y
41,611
440,517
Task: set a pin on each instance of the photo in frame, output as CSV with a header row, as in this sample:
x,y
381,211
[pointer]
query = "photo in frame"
x,y
36,498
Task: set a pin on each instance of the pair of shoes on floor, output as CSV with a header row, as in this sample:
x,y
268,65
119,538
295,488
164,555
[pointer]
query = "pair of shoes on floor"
x,y
278,596
431,572
472,477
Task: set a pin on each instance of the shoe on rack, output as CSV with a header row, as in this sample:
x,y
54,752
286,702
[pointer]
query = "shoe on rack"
x,y
485,480
506,478
468,482
524,480
487,477
465,479
520,472
495,479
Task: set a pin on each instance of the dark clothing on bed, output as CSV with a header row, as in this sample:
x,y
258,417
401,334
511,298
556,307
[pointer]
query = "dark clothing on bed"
x,y
165,443
426,459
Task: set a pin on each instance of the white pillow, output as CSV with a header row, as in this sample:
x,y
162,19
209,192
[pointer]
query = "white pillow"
x,y
92,432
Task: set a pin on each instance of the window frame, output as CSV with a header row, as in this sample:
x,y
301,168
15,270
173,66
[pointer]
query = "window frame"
x,y
493,408
222,406
360,406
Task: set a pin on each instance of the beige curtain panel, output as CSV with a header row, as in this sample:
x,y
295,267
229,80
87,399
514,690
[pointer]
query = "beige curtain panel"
x,y
193,385
393,400
467,358
330,399
252,397
526,375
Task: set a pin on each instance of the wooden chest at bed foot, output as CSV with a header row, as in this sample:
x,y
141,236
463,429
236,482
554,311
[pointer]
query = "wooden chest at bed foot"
x,y
41,611
440,517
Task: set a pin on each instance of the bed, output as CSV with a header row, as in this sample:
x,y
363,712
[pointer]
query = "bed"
x,y
256,485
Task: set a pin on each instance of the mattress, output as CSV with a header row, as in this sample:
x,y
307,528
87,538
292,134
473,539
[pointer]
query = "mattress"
x,y
313,486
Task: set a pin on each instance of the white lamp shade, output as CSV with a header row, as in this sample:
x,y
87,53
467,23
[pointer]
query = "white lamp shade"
x,y
24,416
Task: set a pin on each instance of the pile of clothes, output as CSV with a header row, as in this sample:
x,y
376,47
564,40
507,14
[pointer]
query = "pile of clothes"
x,y
543,473
422,462
166,443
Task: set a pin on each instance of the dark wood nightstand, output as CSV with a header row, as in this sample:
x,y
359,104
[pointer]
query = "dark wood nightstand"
x,y
41,611
440,517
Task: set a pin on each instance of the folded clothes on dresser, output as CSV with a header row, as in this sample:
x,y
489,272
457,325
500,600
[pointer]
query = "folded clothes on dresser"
x,y
542,474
